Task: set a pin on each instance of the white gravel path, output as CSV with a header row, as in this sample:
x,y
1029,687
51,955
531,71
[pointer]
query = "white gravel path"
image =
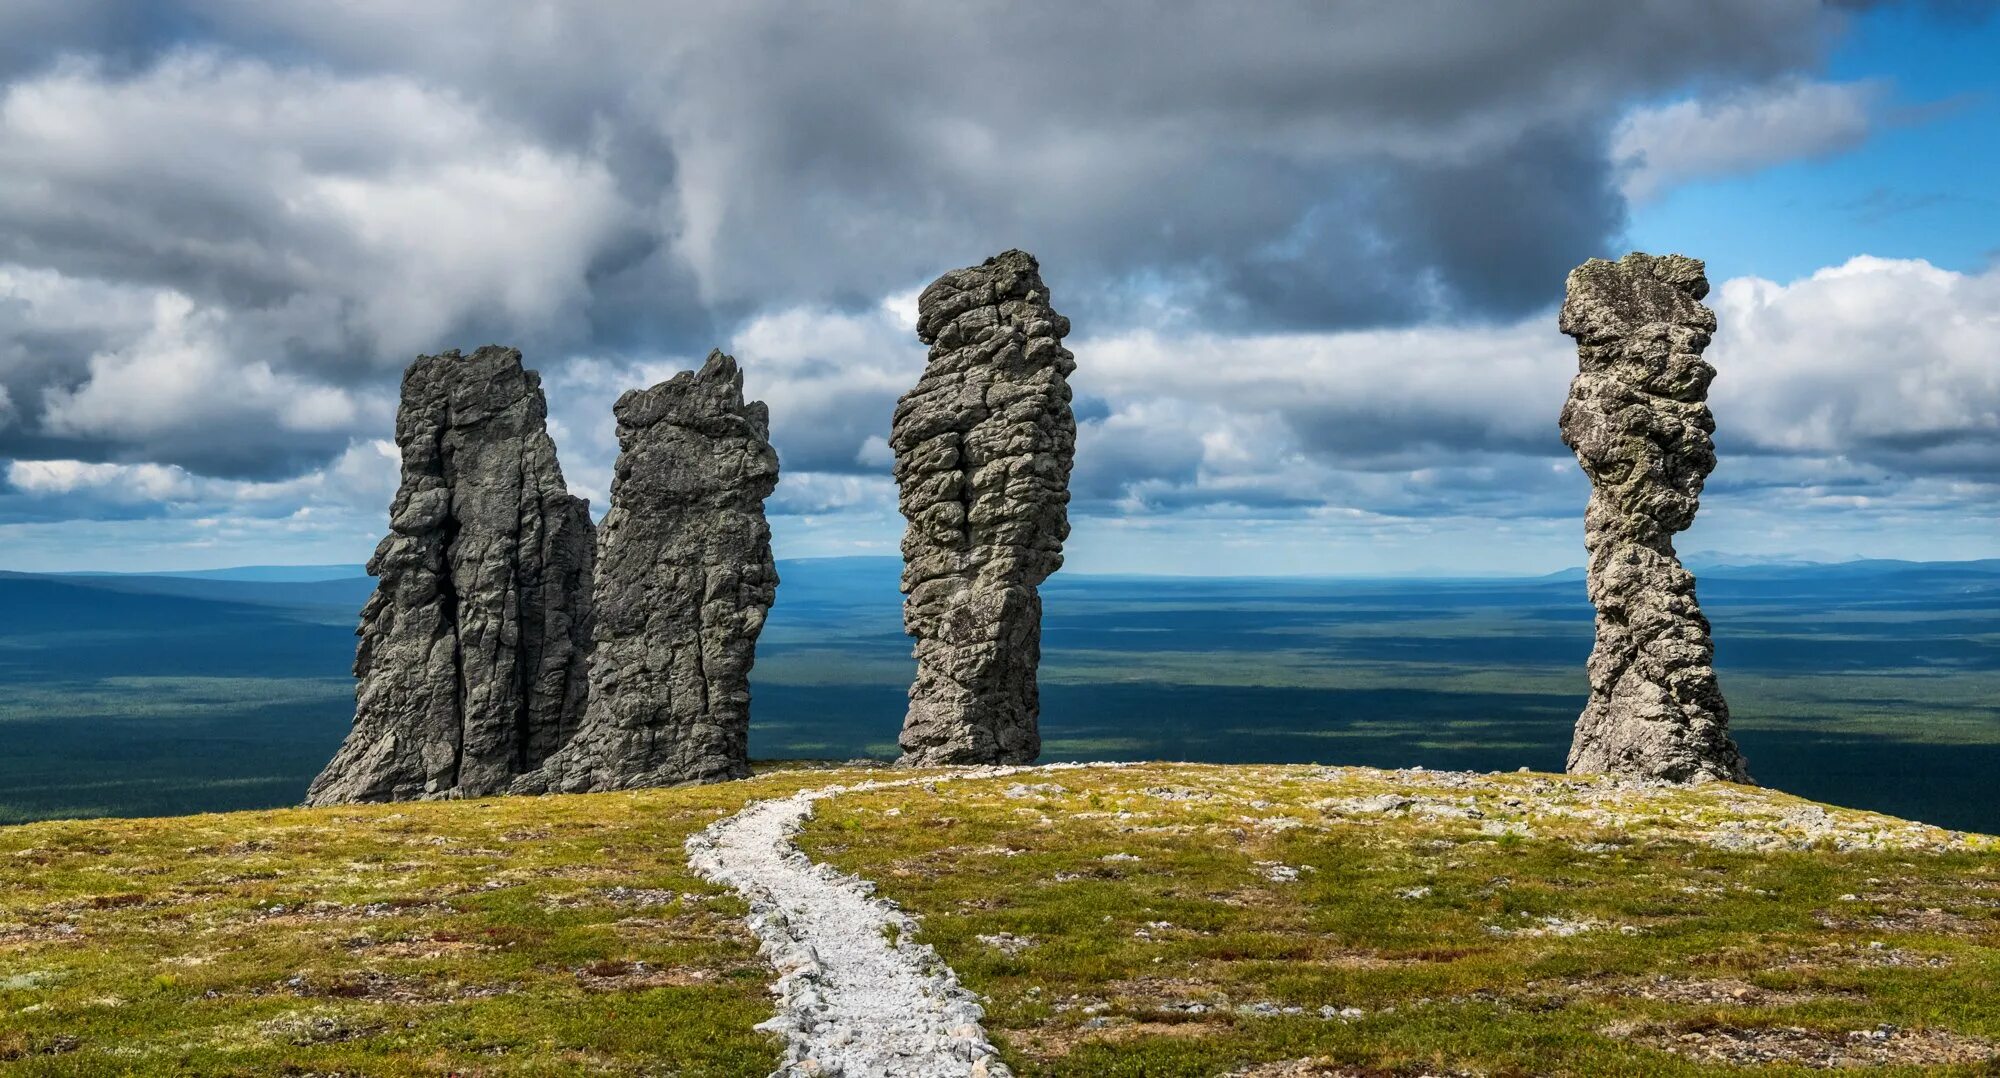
x,y
857,996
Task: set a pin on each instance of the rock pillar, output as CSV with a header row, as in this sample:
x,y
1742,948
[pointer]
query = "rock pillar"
x,y
684,578
474,647
1638,421
983,449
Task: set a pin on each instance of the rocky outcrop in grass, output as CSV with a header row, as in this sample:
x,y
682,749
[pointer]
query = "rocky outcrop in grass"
x,y
983,450
684,578
474,646
1638,420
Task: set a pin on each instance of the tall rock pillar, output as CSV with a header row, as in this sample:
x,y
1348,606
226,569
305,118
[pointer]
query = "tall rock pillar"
x,y
1638,420
983,450
684,578
475,644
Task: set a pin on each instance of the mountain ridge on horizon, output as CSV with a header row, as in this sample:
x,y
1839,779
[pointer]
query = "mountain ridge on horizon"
x,y
1701,562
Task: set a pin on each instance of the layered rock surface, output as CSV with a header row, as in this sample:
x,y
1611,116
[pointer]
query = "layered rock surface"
x,y
983,446
1638,421
684,578
474,646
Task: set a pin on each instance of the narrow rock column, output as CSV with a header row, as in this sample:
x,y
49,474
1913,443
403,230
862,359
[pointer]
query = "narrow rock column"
x,y
475,644
684,578
983,450
1639,423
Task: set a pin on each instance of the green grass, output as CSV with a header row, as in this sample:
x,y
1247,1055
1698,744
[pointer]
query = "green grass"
x,y
504,936
1186,960
1158,920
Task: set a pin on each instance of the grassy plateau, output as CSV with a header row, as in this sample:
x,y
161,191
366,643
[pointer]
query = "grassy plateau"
x,y
1157,919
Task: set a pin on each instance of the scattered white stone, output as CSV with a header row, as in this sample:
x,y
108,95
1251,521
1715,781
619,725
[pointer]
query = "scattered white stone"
x,y
1553,925
1007,942
1378,803
1044,789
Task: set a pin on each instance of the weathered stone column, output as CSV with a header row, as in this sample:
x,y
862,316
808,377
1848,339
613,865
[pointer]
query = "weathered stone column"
x,y
1638,420
475,644
983,449
684,577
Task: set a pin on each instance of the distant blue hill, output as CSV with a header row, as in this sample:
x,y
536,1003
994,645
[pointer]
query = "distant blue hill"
x,y
250,572
320,595
1858,567
876,567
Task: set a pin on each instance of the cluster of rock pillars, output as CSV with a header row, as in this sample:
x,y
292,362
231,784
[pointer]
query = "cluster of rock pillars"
x,y
513,647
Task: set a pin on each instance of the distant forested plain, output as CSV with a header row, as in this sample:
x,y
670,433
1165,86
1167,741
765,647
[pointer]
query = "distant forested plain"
x,y
1871,684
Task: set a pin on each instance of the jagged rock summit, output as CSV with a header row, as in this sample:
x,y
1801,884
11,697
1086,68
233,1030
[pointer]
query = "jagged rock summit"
x,y
684,578
474,646
1638,420
984,445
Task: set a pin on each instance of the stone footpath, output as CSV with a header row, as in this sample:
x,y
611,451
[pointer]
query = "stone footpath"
x,y
857,997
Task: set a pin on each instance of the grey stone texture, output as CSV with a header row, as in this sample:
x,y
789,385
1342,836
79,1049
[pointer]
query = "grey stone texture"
x,y
475,645
983,445
684,578
1638,420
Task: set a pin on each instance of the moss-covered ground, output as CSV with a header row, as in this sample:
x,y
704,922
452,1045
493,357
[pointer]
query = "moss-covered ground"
x,y
1152,920
1192,920
503,936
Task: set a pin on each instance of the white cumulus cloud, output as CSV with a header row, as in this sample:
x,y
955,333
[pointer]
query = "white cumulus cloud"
x,y
131,482
1741,131
1890,362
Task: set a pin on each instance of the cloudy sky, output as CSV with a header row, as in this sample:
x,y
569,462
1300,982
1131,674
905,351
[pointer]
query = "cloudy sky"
x,y
1311,251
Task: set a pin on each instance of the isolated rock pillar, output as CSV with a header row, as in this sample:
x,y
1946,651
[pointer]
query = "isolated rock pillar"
x,y
684,578
1638,420
474,646
983,450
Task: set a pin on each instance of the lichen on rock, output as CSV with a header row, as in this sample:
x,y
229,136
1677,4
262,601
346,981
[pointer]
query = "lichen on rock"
x,y
684,578
1638,420
474,645
983,445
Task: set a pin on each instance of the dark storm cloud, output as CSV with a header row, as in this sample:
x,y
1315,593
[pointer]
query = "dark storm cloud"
x,y
1489,236
37,33
285,202
831,153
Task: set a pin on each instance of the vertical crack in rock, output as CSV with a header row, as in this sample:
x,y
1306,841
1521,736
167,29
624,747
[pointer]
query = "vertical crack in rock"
x,y
983,447
1638,419
684,578
474,646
